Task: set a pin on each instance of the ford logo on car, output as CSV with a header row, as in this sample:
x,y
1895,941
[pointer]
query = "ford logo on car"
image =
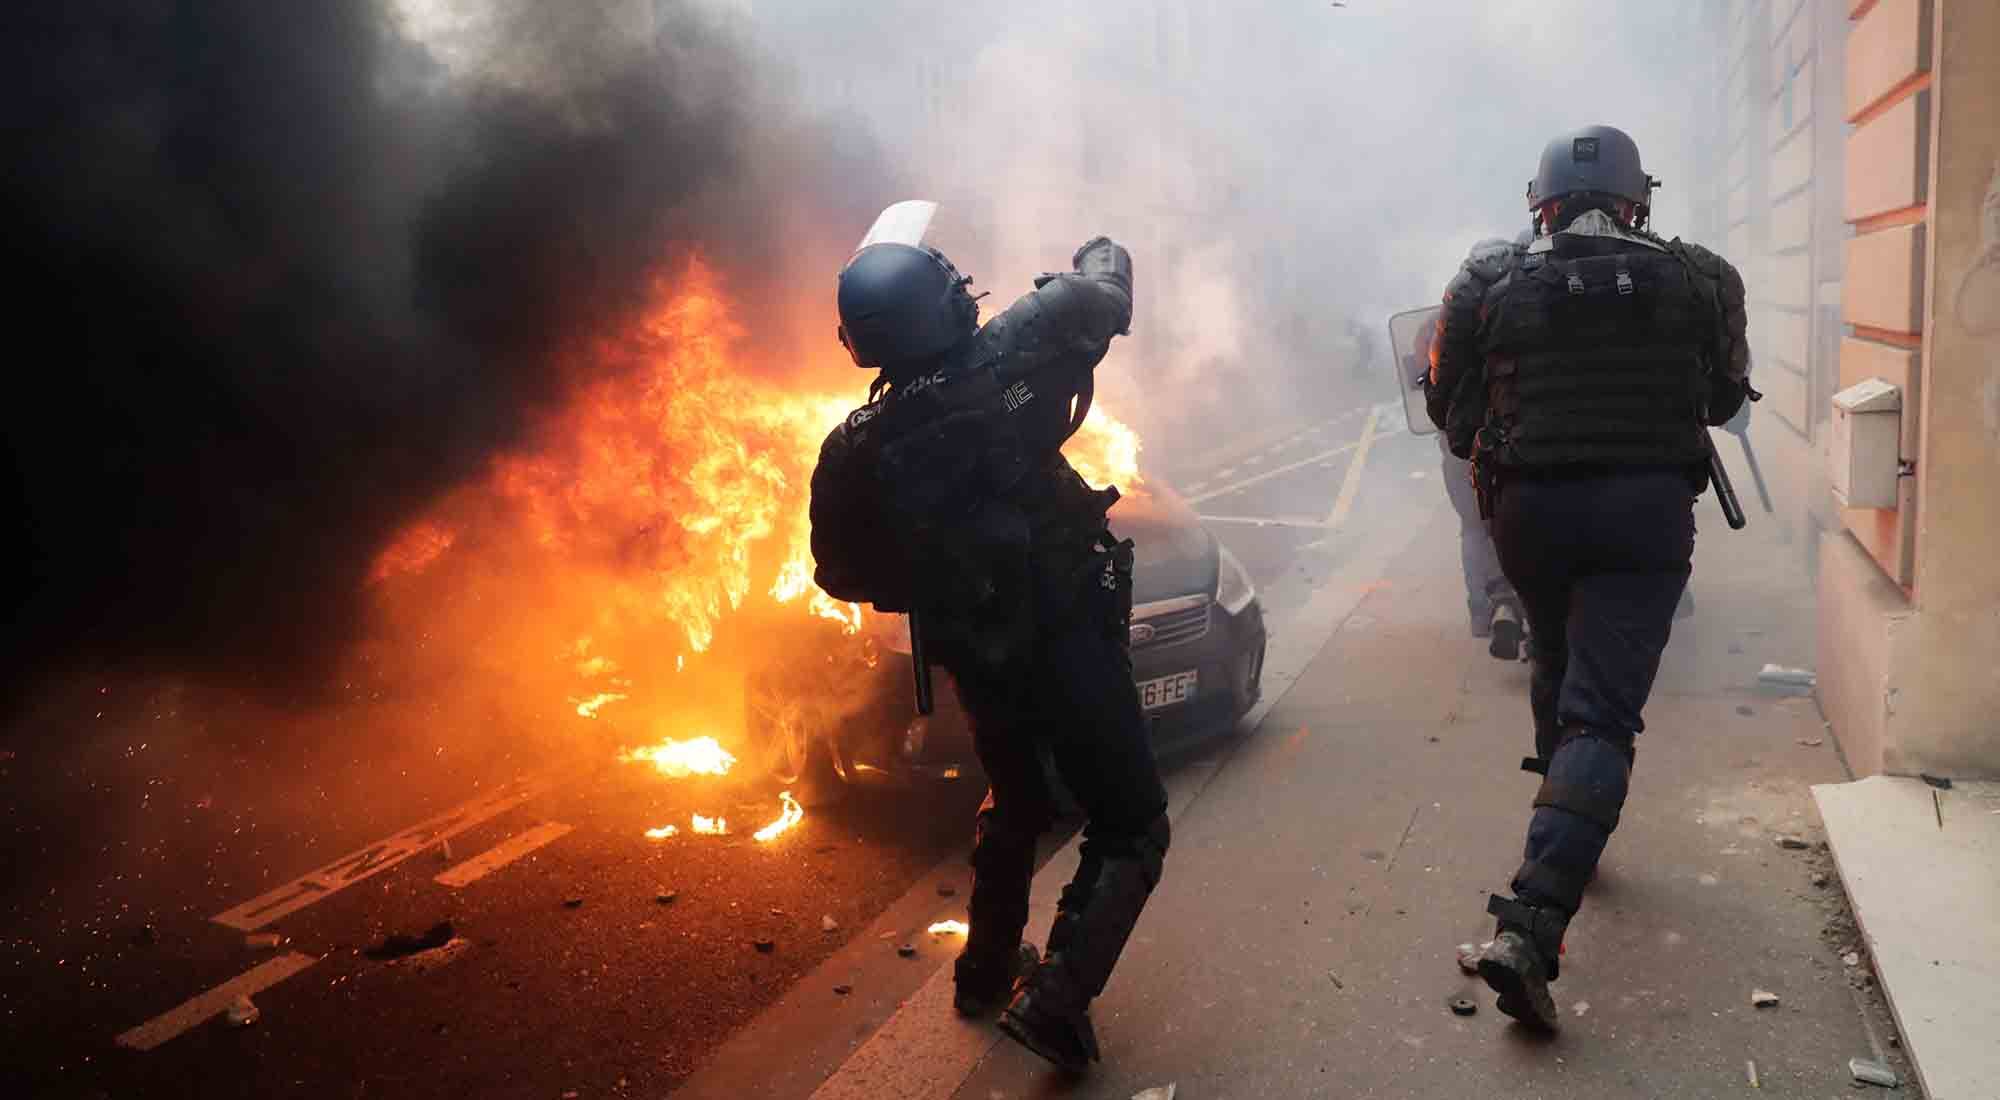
x,y
1141,633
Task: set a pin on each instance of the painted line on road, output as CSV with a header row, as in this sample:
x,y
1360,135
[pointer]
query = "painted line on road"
x,y
204,1006
503,853
1352,482
378,857
1265,521
1271,473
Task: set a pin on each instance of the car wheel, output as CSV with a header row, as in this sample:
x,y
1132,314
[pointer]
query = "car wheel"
x,y
795,744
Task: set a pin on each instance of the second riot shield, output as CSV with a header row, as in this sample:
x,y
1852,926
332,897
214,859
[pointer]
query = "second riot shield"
x,y
1409,358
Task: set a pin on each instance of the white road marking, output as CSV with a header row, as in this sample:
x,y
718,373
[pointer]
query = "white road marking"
x,y
1351,484
1265,521
199,1008
376,858
1268,474
503,853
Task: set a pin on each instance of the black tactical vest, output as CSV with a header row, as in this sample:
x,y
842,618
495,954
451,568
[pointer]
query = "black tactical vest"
x,y
1594,358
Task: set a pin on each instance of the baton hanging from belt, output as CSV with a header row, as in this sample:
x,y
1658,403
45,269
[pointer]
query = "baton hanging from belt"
x,y
1725,492
920,666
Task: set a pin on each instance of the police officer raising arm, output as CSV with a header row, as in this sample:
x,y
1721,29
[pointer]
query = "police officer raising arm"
x,y
947,496
1579,376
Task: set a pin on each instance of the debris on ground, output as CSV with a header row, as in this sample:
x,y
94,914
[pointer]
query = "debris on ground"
x,y
842,990
1746,711
1162,1092
764,947
262,941
1335,979
444,850
945,890
1581,1008
1819,878
574,901
1462,1006
1812,742
243,1013
1938,781
828,924
1750,1072
1763,998
1852,958
1788,677
1468,958
401,944
1872,1073
1794,843
908,950
570,1094
665,896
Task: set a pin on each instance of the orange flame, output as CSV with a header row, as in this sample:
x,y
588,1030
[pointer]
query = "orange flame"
x,y
680,759
588,708
662,833
709,826
413,551
792,815
950,928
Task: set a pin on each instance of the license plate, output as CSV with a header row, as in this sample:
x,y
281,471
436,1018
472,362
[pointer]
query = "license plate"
x,y
1167,691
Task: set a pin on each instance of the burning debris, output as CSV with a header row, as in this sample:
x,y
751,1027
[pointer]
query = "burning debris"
x,y
950,928
681,759
793,814
710,826
588,708
662,833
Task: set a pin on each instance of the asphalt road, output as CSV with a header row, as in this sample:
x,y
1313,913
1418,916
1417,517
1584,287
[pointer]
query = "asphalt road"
x,y
156,826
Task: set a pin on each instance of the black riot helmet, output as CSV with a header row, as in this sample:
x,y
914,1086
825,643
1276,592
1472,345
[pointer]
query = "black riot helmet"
x,y
901,306
1596,160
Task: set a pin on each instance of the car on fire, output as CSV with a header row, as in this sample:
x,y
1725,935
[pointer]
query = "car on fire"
x,y
840,712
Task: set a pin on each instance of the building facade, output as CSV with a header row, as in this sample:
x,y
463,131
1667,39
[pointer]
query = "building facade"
x,y
1860,189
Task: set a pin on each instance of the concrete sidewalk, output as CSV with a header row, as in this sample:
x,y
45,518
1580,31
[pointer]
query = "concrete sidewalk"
x,y
1302,941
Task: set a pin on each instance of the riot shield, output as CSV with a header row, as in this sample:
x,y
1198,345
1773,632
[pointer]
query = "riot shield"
x,y
1409,359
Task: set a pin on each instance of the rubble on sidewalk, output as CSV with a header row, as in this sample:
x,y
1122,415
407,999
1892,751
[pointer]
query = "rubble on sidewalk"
x,y
1763,998
1786,677
1873,1073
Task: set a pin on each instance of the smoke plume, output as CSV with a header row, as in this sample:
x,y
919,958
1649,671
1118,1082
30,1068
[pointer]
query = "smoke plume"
x,y
289,271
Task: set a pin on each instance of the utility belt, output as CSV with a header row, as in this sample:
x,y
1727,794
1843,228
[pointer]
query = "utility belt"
x,y
1488,474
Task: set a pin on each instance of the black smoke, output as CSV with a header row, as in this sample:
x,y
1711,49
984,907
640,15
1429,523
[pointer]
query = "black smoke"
x,y
282,275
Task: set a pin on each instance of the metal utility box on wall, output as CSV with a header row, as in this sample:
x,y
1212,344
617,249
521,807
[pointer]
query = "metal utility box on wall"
x,y
1867,424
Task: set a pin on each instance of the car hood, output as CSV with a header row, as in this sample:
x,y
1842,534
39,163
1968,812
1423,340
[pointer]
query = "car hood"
x,y
1173,555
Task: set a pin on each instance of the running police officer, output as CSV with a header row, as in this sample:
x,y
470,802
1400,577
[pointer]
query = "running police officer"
x,y
1579,375
947,496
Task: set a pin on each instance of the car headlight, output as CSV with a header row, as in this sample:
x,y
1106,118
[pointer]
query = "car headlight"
x,y
1233,589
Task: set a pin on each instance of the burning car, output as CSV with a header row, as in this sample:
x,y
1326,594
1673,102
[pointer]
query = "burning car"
x,y
842,713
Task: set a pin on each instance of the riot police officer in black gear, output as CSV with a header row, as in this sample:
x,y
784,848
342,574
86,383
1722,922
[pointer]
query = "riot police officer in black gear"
x,y
947,495
1579,375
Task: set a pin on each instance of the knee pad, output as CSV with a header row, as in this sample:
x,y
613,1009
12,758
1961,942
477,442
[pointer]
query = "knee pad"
x,y
1589,774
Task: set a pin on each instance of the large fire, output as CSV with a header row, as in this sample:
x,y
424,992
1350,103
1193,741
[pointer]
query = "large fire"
x,y
680,759
667,493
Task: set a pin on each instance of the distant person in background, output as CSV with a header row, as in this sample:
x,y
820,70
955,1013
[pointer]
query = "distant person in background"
x,y
1493,611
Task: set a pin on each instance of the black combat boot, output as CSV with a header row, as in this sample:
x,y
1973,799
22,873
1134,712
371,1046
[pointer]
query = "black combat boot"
x,y
1050,1016
1507,631
1523,959
984,986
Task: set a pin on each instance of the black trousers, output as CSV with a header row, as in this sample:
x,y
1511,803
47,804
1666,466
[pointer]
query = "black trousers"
x,y
1073,694
1600,564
